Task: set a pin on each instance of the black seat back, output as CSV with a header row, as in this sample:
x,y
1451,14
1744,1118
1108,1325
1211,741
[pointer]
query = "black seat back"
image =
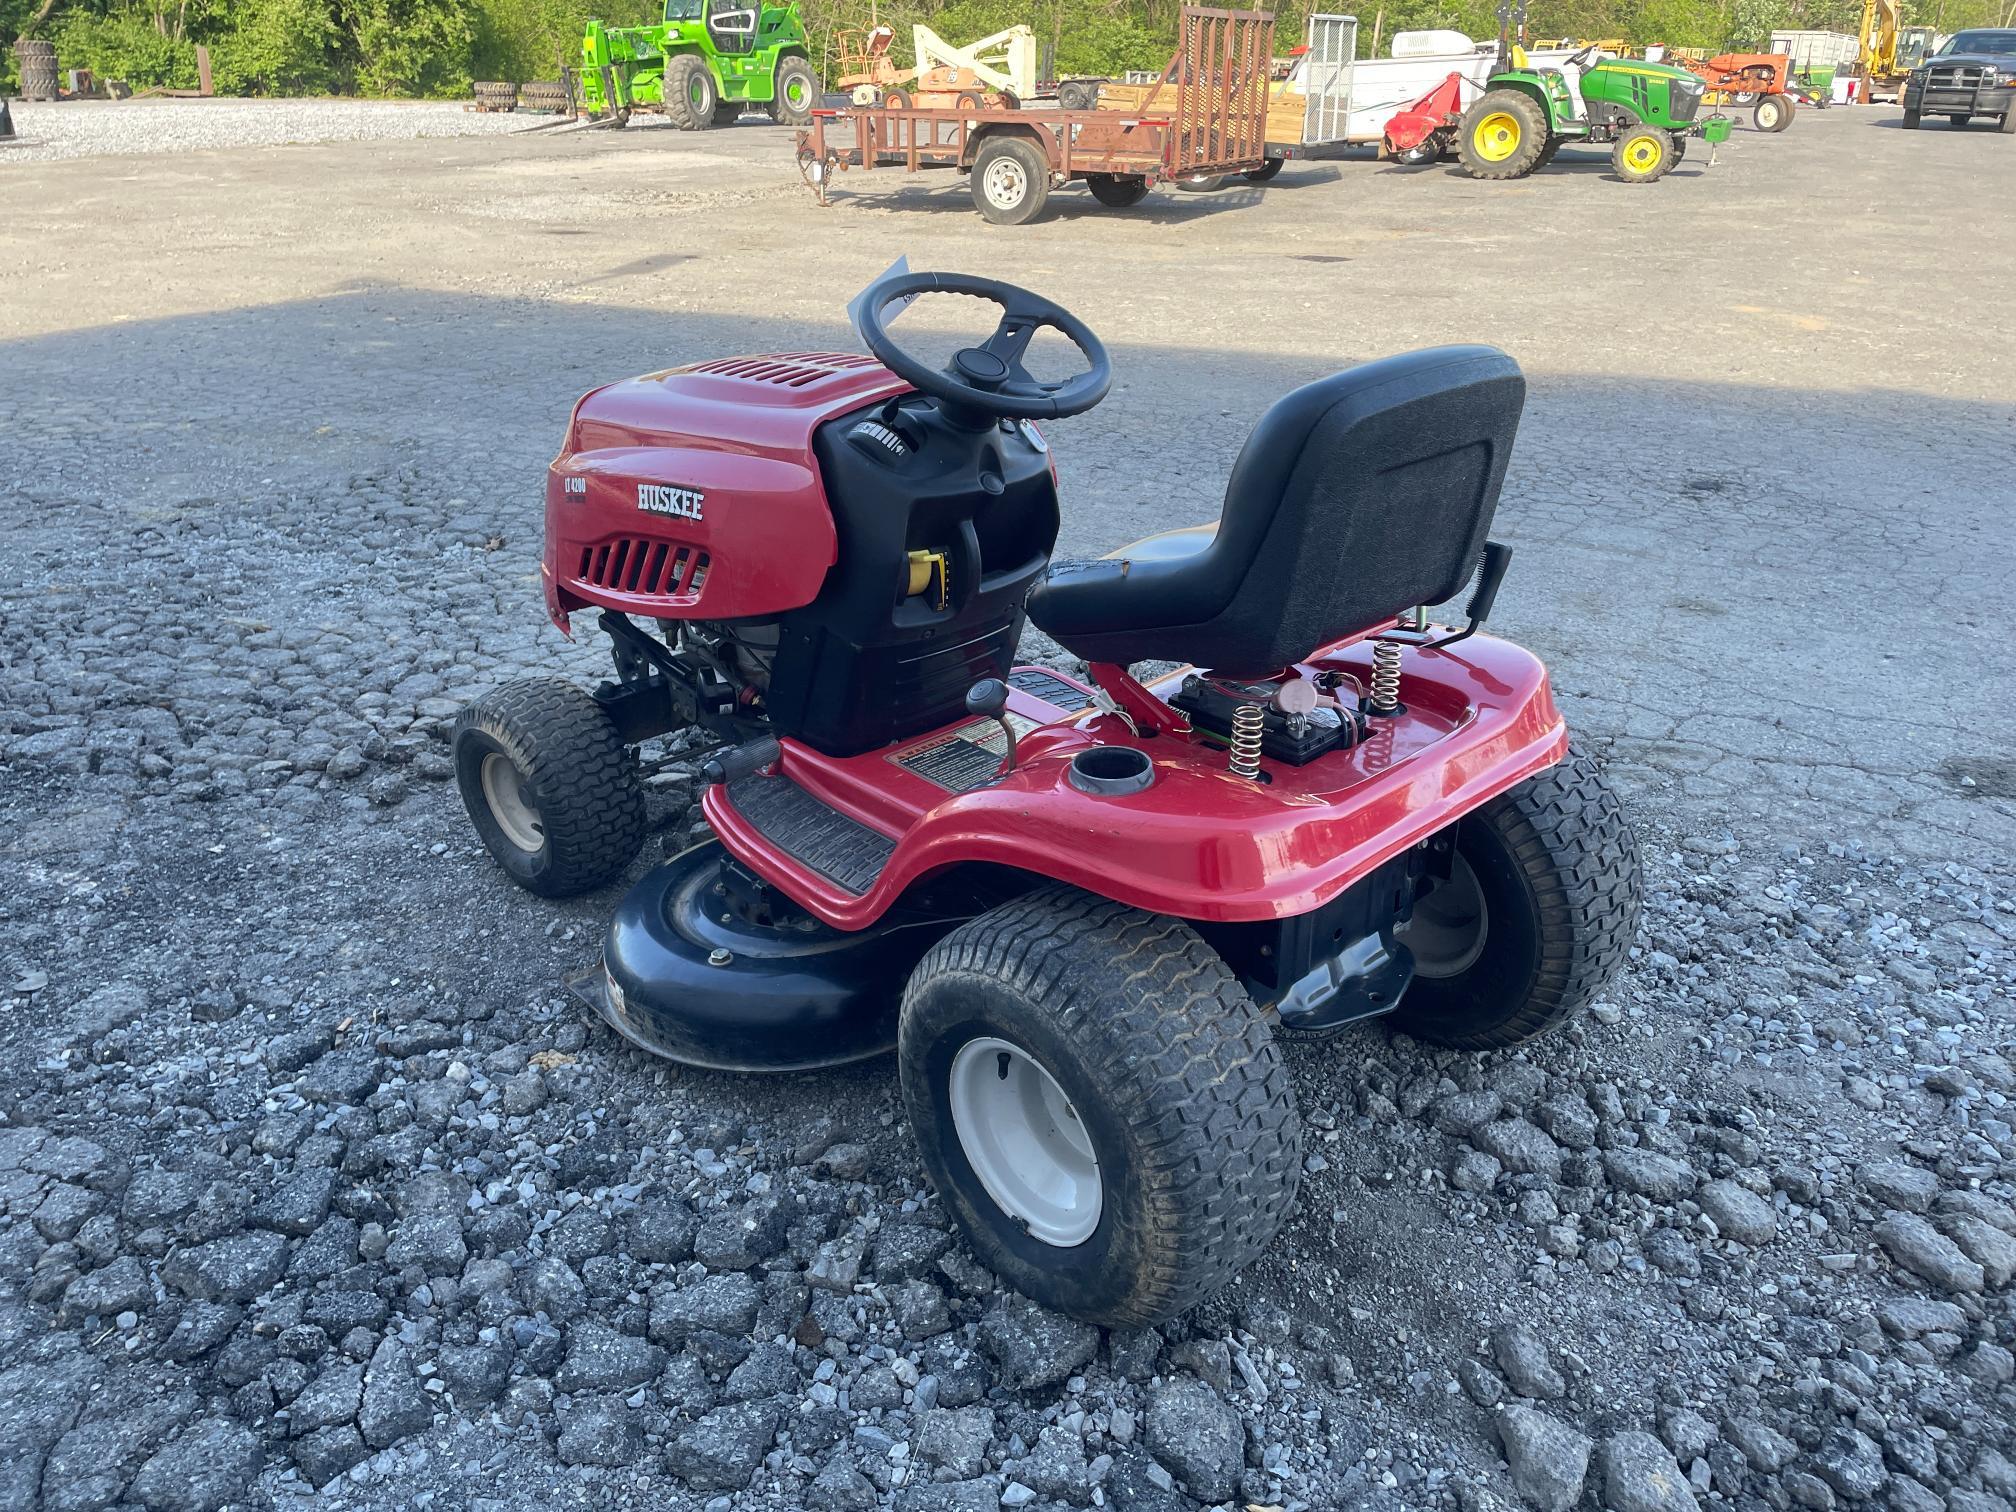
x,y
1360,496
1356,498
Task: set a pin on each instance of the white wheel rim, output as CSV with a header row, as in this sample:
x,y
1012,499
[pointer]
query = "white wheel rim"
x,y
504,791
1025,1142
1005,183
1450,925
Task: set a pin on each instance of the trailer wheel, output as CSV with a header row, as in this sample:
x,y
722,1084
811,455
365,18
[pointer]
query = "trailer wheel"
x,y
1539,912
1117,190
797,90
1011,180
1773,113
1264,172
1502,135
1078,94
550,786
1100,1104
1643,155
690,95
1911,120
1201,183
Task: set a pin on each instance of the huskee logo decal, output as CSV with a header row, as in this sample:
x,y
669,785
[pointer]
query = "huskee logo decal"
x,y
659,498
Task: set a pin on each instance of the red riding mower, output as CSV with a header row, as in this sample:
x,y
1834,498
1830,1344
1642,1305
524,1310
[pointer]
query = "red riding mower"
x,y
1077,909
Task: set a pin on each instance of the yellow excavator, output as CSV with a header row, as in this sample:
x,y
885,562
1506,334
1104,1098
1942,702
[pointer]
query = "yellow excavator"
x,y
1889,50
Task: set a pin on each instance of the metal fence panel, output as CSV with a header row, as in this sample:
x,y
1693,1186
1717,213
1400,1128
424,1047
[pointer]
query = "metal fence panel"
x,y
1326,76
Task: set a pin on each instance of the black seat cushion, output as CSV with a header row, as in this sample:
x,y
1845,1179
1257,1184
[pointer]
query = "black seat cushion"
x,y
1356,498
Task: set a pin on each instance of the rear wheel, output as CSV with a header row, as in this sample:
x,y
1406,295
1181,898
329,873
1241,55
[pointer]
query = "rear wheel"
x,y
550,786
1100,1104
797,89
1538,913
1264,172
1201,183
1773,113
1643,155
690,95
1011,180
1116,190
1502,135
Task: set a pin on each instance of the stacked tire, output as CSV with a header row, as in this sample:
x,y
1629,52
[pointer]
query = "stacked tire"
x,y
492,94
38,70
548,95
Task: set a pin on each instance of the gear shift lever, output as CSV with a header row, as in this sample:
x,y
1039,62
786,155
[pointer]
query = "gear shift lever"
x,y
988,699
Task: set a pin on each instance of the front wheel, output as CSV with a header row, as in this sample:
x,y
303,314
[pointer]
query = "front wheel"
x,y
1643,155
796,90
1912,118
1011,180
690,95
1773,113
1100,1105
550,786
1537,913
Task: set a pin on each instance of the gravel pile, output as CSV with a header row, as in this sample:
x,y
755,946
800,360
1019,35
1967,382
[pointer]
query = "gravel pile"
x,y
98,128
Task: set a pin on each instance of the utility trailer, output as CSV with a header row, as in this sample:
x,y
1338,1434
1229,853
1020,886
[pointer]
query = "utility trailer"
x,y
1212,122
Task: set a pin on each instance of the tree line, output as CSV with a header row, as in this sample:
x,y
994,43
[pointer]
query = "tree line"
x,y
435,48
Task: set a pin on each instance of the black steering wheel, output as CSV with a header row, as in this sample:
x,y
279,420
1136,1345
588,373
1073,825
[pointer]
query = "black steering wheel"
x,y
989,379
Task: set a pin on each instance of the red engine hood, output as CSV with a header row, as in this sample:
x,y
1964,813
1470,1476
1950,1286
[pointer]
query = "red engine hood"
x,y
694,493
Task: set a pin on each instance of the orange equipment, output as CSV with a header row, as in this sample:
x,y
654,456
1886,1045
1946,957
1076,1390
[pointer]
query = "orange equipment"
x,y
871,77
1742,77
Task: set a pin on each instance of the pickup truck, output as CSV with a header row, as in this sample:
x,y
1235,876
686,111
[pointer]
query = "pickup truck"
x,y
1972,74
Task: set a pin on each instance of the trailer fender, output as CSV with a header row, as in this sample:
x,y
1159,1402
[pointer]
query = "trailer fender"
x,y
981,134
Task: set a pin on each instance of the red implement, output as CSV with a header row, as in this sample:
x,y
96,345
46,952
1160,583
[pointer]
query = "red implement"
x,y
1435,111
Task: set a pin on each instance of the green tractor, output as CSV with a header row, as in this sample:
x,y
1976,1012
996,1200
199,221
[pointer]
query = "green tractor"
x,y
1525,114
702,66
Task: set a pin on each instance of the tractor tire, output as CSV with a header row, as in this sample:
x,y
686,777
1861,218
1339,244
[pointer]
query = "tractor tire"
x,y
690,93
1547,153
1539,913
797,93
896,99
39,82
1010,180
1502,135
550,786
968,100
1773,113
1065,1036
727,112
1117,190
495,95
1264,172
1643,155
1911,120
548,95
1078,94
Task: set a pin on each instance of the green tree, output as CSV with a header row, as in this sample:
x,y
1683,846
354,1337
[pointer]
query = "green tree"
x,y
410,47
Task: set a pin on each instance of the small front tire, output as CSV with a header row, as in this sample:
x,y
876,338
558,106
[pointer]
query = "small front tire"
x,y
1643,155
1100,1105
550,786
1539,912
1773,113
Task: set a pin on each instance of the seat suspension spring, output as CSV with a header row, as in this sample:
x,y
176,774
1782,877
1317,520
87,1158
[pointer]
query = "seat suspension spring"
x,y
1249,722
1385,697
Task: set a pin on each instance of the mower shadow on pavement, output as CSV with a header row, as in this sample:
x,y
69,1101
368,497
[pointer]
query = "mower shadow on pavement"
x,y
1165,203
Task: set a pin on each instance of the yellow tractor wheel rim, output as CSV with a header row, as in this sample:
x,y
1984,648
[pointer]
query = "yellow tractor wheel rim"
x,y
1642,156
1496,137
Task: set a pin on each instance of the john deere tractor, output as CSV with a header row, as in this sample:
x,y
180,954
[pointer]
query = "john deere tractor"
x,y
1525,114
702,65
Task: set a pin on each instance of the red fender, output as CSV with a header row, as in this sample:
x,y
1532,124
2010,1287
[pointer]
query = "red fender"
x,y
1440,107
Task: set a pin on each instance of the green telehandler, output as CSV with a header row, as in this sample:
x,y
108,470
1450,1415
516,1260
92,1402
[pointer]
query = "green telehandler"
x,y
1525,114
702,65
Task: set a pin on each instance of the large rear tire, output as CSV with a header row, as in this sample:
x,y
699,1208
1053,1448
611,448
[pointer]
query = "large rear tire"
x,y
1502,135
1100,1105
690,95
1539,912
797,93
1010,180
549,785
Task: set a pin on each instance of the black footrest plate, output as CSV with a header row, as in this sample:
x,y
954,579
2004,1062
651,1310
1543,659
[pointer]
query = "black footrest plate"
x,y
836,847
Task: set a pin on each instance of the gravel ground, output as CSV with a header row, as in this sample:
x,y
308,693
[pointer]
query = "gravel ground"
x,y
312,1177
53,130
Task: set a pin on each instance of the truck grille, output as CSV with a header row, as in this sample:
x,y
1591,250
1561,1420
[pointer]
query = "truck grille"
x,y
653,569
1954,76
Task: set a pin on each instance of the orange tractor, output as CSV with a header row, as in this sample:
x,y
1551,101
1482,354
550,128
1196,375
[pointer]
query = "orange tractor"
x,y
983,76
1739,78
